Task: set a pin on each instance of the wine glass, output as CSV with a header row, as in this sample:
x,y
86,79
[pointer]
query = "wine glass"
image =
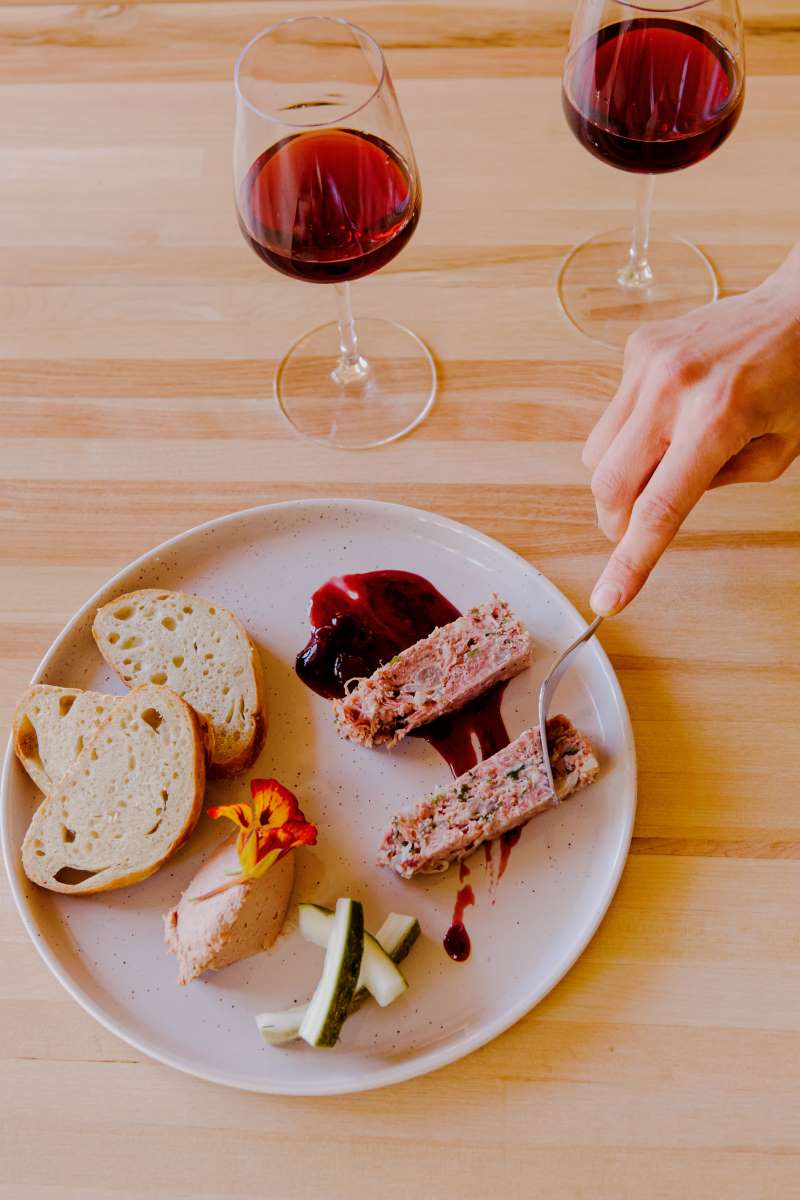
x,y
328,191
647,88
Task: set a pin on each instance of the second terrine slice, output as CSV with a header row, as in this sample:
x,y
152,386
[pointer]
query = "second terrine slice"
x,y
437,675
502,792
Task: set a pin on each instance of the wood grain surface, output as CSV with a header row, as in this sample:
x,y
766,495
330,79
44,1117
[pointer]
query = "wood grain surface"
x,y
138,338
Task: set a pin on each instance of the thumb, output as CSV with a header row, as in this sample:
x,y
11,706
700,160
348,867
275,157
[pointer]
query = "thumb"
x,y
762,460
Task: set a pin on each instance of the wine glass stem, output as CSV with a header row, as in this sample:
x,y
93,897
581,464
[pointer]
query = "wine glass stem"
x,y
351,367
637,272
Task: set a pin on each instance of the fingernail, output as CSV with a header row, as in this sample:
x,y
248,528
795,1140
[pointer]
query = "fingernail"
x,y
605,599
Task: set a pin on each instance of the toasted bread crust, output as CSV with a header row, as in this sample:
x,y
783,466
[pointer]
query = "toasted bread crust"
x,y
235,766
26,743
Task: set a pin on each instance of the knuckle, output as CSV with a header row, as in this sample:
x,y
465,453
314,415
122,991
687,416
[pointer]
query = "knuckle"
x,y
725,403
643,342
685,369
658,513
626,571
640,349
721,395
660,380
608,487
673,365
636,348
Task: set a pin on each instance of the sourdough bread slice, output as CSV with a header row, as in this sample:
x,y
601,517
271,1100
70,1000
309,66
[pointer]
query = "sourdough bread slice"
x,y
51,725
200,650
130,798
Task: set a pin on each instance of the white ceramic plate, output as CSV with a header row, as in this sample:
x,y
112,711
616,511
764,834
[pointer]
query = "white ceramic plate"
x,y
108,951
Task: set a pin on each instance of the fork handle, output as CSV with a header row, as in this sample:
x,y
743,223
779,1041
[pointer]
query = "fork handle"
x,y
554,674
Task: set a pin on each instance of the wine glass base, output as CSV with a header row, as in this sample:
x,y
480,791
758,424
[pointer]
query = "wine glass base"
x,y
366,409
606,310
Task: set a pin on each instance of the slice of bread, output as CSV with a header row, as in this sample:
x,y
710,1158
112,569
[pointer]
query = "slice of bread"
x,y
51,725
200,650
130,798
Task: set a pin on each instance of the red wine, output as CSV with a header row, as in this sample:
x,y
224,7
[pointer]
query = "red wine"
x,y
652,94
328,206
359,622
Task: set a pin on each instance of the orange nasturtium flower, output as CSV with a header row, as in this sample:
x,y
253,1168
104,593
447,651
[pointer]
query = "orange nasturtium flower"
x,y
268,828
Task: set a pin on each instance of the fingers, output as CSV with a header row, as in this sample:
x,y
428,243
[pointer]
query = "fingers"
x,y
629,440
639,350
677,484
614,417
761,461
625,469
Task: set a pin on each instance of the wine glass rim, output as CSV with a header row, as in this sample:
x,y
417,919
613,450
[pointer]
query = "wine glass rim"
x,y
672,8
276,120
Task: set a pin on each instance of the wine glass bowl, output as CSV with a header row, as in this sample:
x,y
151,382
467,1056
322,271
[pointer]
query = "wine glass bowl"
x,y
328,206
647,88
327,191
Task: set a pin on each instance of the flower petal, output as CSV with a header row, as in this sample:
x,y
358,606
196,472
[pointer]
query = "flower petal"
x,y
240,814
273,801
248,854
268,828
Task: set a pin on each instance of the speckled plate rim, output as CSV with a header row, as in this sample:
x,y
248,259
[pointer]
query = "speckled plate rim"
x,y
469,1039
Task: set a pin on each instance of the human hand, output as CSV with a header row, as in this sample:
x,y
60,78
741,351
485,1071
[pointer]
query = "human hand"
x,y
710,398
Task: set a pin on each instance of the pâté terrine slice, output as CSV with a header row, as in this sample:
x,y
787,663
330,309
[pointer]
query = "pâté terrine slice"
x,y
437,675
497,795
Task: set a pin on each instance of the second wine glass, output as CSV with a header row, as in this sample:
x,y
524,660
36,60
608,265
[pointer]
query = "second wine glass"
x,y
648,88
327,191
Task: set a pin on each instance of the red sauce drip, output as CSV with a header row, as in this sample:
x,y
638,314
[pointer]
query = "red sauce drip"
x,y
488,864
452,735
507,843
359,622
463,870
456,940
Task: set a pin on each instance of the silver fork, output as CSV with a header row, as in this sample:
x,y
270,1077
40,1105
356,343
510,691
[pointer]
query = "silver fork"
x,y
551,682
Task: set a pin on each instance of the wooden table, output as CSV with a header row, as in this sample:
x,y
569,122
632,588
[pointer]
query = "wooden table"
x,y
139,337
